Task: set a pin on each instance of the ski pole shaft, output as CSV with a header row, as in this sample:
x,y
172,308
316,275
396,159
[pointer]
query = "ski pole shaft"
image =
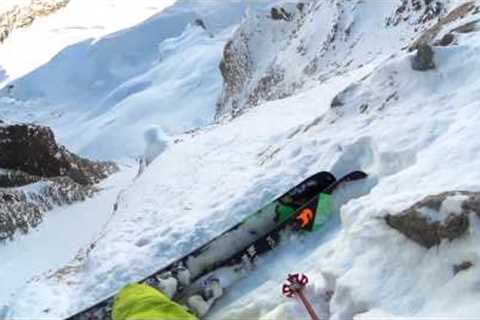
x,y
294,287
307,305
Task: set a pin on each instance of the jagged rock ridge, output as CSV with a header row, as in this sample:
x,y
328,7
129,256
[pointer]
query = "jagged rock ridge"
x,y
21,16
37,174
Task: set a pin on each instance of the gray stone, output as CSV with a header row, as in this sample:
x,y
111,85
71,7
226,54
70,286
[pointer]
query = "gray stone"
x,y
424,58
34,150
427,233
462,267
336,102
446,40
280,14
29,154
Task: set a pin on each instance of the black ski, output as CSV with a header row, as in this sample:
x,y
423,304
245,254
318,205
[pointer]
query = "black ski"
x,y
226,272
266,243
230,242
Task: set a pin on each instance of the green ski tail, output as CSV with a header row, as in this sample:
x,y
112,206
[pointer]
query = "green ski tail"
x,y
323,212
283,212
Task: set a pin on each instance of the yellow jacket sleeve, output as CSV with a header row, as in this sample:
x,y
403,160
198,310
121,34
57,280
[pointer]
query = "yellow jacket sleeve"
x,y
141,302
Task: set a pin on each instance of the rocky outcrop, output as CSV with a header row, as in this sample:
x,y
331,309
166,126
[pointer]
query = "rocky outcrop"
x,y
437,218
250,75
21,16
286,49
279,13
465,265
12,179
37,174
423,59
22,209
33,150
446,40
440,29
236,69
416,12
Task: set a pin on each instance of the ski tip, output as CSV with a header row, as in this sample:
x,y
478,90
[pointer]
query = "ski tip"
x,y
358,174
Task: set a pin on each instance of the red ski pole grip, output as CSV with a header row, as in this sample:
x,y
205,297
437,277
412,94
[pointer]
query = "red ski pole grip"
x,y
294,287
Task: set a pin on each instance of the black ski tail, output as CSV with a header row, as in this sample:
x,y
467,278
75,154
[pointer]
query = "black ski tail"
x,y
270,240
352,176
311,206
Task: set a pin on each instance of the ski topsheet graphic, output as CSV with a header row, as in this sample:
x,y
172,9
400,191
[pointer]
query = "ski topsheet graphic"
x,y
223,249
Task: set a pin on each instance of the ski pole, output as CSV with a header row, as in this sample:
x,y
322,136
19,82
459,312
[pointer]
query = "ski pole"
x,y
294,287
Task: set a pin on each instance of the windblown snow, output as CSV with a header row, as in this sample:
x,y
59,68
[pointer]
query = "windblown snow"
x,y
331,87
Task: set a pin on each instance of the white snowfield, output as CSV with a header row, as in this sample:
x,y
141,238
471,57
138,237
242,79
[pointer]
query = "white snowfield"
x,y
163,71
415,134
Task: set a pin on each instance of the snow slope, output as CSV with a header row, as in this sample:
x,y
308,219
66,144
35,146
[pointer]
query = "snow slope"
x,y
80,20
51,245
163,71
8,4
415,133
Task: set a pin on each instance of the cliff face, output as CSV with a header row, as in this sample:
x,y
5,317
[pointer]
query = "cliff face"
x,y
37,174
24,14
294,47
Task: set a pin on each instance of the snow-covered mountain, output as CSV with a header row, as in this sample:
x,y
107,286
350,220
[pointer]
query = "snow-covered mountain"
x,y
15,14
275,90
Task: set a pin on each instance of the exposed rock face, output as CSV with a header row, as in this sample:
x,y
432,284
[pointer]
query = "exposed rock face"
x,y
446,40
11,179
236,69
462,267
423,60
37,174
416,12
430,35
200,23
280,14
336,102
24,15
251,75
275,54
22,209
33,150
450,211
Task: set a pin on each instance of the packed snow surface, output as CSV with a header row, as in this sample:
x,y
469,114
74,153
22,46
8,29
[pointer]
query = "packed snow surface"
x,y
80,20
414,133
51,245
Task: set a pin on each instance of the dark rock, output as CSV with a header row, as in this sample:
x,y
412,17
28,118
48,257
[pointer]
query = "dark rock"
x,y
424,59
462,267
363,108
467,27
300,6
29,154
200,23
22,210
12,179
415,226
446,40
336,102
417,5
33,150
280,14
236,69
431,33
415,11
264,90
